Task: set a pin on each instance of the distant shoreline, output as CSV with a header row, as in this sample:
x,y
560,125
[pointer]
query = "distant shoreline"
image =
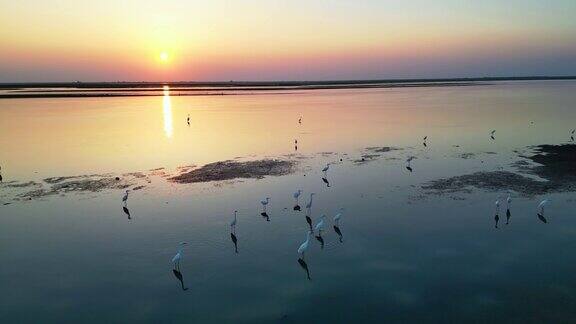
x,y
144,89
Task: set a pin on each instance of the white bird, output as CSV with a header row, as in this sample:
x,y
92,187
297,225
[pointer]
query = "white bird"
x,y
497,203
265,203
542,204
304,246
508,201
309,204
233,224
410,158
297,194
320,226
326,168
125,198
338,216
178,256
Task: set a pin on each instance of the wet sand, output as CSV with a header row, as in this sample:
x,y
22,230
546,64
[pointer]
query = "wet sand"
x,y
553,164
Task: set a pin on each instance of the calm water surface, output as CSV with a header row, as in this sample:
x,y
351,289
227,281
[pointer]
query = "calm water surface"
x,y
404,256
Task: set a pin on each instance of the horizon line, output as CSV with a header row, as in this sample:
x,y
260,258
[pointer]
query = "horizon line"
x,y
288,82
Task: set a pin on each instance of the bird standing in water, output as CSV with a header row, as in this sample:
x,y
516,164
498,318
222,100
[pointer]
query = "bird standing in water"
x,y
296,195
497,216
326,168
125,198
178,256
234,221
304,246
337,217
320,225
264,204
508,204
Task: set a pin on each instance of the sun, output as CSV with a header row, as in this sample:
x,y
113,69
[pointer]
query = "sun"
x,y
164,57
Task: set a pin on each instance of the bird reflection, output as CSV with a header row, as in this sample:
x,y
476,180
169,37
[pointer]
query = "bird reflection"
x,y
180,278
409,168
508,215
126,211
320,239
497,217
492,134
339,232
188,120
265,215
235,241
297,208
309,221
542,218
304,266
326,182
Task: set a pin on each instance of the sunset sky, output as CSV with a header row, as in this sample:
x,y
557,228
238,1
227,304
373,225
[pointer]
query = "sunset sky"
x,y
110,40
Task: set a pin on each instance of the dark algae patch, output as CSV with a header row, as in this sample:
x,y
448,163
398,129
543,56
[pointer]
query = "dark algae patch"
x,y
228,170
554,164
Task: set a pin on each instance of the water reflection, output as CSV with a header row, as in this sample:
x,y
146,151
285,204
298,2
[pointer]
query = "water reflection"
x,y
325,180
235,241
180,278
167,110
304,266
126,211
508,215
265,215
542,218
320,239
339,233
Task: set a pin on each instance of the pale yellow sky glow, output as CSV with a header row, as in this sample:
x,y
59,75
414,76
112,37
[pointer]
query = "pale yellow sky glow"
x,y
254,40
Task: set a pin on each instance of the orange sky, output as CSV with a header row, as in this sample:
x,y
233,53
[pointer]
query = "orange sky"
x,y
264,40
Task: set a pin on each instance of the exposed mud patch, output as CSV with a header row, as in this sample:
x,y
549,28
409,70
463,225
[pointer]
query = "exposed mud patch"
x,y
383,149
62,185
228,170
554,164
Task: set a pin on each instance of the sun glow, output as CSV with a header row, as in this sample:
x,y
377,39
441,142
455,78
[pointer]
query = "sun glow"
x,y
164,57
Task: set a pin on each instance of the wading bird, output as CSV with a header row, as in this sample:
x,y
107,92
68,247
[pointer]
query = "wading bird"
x,y
234,221
508,204
296,195
320,225
326,168
178,256
309,204
541,206
497,216
304,246
492,134
409,163
0,174
264,204
338,217
125,198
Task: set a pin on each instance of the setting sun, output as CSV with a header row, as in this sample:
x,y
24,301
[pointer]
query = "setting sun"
x,y
164,57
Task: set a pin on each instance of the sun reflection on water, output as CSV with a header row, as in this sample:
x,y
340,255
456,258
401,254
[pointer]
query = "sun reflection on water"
x,y
167,107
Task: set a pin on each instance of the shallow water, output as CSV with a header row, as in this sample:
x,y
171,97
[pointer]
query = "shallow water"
x,y
405,256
